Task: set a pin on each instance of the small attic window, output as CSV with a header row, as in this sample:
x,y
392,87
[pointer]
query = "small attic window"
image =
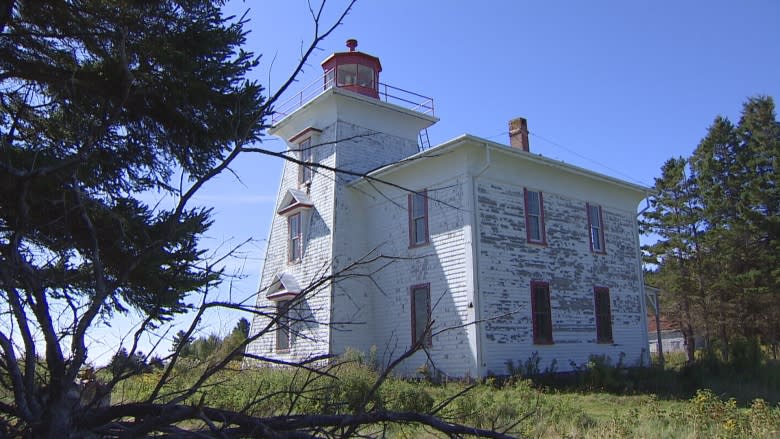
x,y
284,287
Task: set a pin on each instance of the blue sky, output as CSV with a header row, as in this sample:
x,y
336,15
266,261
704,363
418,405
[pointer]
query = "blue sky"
x,y
613,86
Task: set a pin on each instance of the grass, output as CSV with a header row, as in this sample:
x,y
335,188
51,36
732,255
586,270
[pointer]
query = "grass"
x,y
600,401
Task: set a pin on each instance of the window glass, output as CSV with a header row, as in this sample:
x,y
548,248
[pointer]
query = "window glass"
x,y
347,74
595,216
305,155
329,76
294,228
534,218
421,313
365,76
596,229
418,218
418,202
533,203
534,230
542,316
603,316
419,230
283,326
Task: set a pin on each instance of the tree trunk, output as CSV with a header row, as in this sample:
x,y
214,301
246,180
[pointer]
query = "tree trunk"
x,y
724,337
58,416
690,344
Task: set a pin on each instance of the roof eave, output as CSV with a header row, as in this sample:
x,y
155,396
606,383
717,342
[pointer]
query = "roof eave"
x,y
465,139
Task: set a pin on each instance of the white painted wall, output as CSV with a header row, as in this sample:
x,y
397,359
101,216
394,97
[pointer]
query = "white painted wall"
x,y
313,308
477,263
508,264
441,263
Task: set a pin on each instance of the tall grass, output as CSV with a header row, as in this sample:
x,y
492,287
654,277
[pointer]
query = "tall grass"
x,y
601,401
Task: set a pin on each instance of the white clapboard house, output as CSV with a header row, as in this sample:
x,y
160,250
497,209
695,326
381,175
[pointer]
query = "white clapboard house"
x,y
509,254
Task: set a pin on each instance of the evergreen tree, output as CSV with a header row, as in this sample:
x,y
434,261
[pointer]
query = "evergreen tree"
x,y
675,217
101,102
724,244
182,343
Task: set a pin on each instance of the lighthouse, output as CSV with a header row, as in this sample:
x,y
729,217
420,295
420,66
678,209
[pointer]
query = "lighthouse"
x,y
342,125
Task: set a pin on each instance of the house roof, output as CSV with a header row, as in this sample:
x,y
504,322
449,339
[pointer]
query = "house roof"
x,y
666,324
468,139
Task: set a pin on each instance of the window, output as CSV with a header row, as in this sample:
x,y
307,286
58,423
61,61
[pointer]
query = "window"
x,y
603,315
283,326
421,313
305,156
534,217
541,313
294,242
418,218
330,76
346,75
365,76
355,74
596,228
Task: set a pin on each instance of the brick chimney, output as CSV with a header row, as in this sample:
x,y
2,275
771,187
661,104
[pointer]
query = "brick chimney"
x,y
518,133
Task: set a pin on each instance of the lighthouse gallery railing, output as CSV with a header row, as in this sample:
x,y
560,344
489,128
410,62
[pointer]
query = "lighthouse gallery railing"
x,y
387,93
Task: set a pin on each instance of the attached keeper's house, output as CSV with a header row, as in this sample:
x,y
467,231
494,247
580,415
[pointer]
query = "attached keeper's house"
x,y
504,254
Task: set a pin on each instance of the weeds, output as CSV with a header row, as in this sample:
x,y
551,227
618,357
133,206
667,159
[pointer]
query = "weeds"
x,y
601,400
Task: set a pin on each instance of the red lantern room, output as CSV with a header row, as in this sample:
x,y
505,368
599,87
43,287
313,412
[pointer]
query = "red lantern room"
x,y
353,70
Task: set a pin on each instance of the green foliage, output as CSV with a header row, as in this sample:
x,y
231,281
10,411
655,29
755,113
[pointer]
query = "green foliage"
x,y
92,119
717,216
530,367
210,348
524,408
123,363
103,103
404,396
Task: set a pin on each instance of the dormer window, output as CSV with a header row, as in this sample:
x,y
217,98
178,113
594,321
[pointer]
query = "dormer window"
x,y
296,207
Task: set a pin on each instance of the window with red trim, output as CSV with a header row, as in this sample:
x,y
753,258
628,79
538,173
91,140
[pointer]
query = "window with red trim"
x,y
541,312
283,326
596,228
418,218
305,156
294,241
534,217
421,313
603,315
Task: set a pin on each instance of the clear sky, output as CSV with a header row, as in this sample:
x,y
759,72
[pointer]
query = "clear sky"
x,y
613,86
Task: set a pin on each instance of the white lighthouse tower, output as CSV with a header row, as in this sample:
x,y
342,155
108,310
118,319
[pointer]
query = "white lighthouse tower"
x,y
342,126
